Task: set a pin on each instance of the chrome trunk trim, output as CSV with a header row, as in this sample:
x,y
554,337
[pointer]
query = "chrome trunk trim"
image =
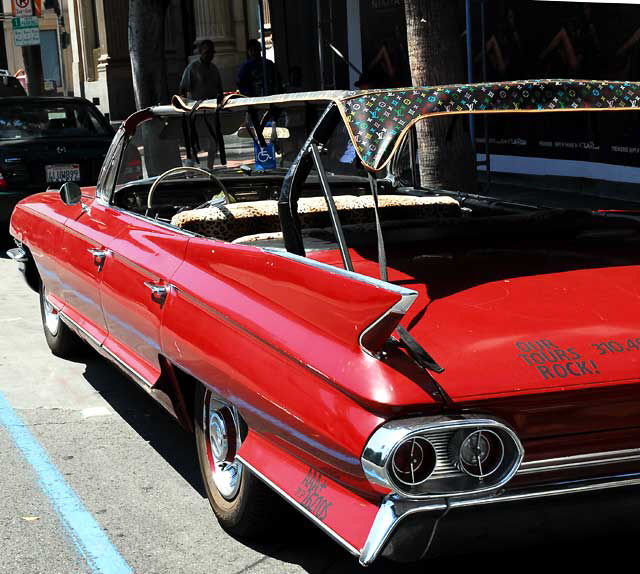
x,y
580,461
553,489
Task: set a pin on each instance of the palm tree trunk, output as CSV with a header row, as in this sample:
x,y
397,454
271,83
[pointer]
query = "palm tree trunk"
x,y
146,45
436,58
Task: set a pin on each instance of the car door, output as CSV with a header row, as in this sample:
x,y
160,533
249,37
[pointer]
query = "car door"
x,y
89,230
142,259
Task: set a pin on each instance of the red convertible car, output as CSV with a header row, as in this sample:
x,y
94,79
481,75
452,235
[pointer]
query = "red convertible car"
x,y
380,355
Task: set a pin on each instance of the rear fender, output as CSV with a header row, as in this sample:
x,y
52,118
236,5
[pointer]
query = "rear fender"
x,y
342,305
340,512
375,324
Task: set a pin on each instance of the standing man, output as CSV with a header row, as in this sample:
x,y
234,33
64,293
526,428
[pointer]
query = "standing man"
x,y
250,78
201,78
201,81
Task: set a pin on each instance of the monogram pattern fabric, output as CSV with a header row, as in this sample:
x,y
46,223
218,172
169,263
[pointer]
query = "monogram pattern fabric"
x,y
379,119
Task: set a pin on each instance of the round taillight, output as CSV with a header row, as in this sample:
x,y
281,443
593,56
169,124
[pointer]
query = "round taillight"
x,y
479,453
413,461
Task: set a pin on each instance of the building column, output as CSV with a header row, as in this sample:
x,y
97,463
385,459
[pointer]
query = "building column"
x,y
113,86
217,20
213,22
354,40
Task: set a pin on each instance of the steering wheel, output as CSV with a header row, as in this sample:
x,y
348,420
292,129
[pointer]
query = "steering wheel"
x,y
184,169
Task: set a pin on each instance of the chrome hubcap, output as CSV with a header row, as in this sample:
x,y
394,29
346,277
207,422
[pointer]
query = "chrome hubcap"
x,y
222,442
51,316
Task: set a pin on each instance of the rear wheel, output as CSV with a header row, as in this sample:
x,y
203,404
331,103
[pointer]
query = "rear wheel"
x,y
62,341
243,504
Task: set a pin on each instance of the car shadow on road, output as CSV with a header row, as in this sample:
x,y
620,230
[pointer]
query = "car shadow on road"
x,y
299,542
145,417
536,534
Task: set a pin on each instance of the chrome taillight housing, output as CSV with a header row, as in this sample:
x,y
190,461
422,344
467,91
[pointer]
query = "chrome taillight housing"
x,y
442,456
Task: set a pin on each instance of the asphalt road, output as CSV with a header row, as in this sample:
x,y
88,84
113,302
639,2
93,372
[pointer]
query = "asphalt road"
x,y
134,472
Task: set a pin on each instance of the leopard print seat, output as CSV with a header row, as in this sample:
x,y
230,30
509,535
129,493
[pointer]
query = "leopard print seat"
x,y
234,220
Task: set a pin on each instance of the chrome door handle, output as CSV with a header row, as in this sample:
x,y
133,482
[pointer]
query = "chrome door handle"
x,y
99,255
158,292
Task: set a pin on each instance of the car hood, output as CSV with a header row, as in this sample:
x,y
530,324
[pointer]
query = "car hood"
x,y
528,318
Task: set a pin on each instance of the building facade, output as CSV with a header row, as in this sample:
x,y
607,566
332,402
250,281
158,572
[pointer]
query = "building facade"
x,y
55,61
89,40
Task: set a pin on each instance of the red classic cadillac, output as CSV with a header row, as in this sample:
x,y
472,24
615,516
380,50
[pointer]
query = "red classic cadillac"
x,y
380,355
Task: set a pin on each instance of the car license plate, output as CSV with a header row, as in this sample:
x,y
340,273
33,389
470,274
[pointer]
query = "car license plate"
x,y
62,173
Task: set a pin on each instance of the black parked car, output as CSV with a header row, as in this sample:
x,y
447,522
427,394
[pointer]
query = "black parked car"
x,y
47,141
10,86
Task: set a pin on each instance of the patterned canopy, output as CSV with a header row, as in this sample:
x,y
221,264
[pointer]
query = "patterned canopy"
x,y
378,120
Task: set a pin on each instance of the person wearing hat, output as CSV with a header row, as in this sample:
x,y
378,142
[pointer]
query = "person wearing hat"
x,y
201,78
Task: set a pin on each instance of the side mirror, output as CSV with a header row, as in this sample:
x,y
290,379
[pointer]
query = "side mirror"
x,y
70,193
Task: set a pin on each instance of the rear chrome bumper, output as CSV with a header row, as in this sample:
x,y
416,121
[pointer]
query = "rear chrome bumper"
x,y
396,510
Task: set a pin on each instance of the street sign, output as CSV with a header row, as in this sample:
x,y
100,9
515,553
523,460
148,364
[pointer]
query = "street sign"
x,y
22,8
26,31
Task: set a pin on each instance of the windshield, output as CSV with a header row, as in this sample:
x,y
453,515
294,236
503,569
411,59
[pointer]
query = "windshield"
x,y
557,160
165,142
41,119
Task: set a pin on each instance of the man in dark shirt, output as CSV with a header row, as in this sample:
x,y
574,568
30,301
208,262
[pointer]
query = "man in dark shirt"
x,y
250,78
201,81
201,78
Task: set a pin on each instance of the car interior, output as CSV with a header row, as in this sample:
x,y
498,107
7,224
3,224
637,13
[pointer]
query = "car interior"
x,y
247,210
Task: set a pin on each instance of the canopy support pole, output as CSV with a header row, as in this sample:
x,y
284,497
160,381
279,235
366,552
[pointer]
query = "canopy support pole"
x,y
333,211
472,128
263,40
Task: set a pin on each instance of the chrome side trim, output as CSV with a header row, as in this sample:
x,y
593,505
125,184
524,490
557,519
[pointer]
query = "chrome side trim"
x,y
132,372
301,508
401,291
134,266
580,461
394,509
88,337
84,334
